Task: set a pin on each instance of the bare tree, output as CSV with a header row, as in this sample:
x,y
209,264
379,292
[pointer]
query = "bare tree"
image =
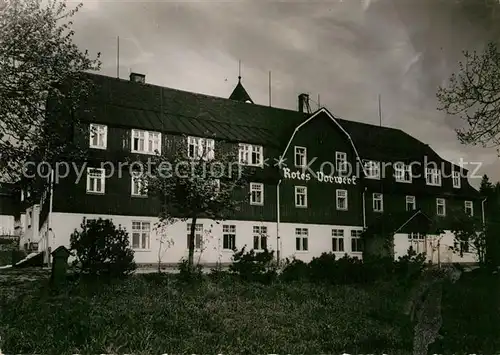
x,y
42,82
473,94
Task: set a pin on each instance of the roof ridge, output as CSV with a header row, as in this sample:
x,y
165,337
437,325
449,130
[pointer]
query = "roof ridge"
x,y
197,94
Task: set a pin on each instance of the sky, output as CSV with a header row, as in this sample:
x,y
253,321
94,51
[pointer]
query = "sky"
x,y
346,51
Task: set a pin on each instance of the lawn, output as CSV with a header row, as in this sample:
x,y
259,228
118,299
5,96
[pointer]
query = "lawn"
x,y
152,314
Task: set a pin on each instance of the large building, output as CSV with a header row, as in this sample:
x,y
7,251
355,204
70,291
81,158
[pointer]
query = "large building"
x,y
298,212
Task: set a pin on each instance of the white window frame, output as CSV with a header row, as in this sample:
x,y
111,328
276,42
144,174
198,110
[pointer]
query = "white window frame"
x,y
341,162
301,191
469,205
260,237
98,136
256,190
142,229
92,180
229,234
198,236
338,242
151,141
410,200
402,172
378,197
440,202
418,242
302,239
342,194
251,155
136,185
300,156
356,240
457,183
372,169
203,148
433,176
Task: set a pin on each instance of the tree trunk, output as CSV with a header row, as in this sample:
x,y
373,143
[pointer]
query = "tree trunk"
x,y
191,244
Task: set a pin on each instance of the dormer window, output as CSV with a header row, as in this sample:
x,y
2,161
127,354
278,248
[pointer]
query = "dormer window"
x,y
251,155
146,142
372,169
402,172
300,157
433,176
456,179
98,136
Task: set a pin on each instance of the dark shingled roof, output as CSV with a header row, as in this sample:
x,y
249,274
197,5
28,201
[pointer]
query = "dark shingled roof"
x,y
124,103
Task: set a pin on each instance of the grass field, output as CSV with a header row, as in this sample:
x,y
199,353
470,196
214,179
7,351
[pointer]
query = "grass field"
x,y
152,314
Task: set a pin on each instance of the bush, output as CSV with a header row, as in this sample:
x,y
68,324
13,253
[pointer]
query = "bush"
x,y
189,275
410,266
323,268
252,266
102,249
295,270
349,270
379,269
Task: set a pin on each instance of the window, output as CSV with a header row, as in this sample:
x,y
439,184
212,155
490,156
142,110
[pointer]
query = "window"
x,y
441,207
198,235
95,180
300,156
337,240
259,237
341,162
417,242
456,179
411,203
228,237
138,184
372,169
300,196
256,193
301,235
146,142
469,208
433,177
402,172
141,234
250,154
356,241
342,200
98,136
201,148
378,202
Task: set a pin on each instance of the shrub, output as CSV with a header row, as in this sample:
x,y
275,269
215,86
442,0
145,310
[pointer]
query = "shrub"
x,y
323,268
102,249
378,268
349,270
252,266
295,270
410,266
189,274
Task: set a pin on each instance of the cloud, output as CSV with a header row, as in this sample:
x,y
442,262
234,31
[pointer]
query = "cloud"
x,y
349,52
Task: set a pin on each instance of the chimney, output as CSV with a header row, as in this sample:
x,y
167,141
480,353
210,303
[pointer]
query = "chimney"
x,y
303,102
137,78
